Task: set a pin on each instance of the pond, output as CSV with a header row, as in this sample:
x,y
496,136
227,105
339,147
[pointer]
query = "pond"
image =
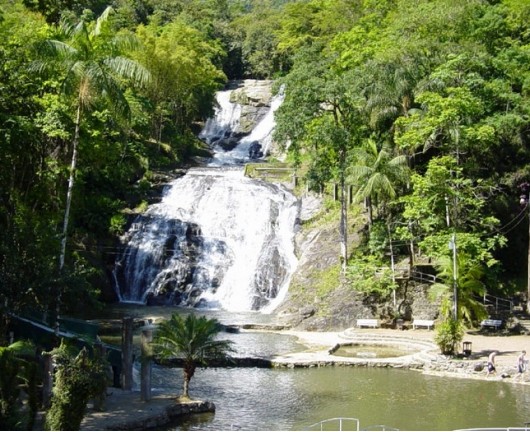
x,y
372,351
281,399
294,399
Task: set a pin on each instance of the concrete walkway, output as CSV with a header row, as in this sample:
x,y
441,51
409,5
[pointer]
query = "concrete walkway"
x,y
508,346
124,410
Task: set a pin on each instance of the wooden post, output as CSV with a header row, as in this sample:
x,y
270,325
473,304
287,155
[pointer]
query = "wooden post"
x,y
145,386
127,354
47,384
99,400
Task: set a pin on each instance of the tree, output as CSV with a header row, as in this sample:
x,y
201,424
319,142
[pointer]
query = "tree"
x,y
193,339
78,378
92,65
16,374
321,119
457,294
443,201
469,287
376,173
184,78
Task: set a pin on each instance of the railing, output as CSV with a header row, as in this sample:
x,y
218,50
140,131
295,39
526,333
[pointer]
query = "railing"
x,y
423,277
330,424
499,302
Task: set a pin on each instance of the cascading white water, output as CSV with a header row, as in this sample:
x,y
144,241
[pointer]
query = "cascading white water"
x,y
217,239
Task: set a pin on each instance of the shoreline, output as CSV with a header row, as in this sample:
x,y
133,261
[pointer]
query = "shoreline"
x,y
509,348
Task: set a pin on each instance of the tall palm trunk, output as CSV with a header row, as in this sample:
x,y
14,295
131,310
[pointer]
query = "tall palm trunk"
x,y
70,187
69,193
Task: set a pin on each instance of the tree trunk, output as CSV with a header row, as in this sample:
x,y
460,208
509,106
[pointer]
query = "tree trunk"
x,y
189,371
370,211
70,187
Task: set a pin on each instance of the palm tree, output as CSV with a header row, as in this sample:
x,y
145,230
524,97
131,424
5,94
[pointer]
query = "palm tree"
x,y
92,66
375,173
192,339
469,287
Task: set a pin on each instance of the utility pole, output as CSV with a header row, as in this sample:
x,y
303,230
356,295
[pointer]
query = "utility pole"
x,y
452,246
524,200
393,267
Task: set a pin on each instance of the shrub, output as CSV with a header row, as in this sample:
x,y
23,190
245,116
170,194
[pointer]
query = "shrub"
x,y
448,336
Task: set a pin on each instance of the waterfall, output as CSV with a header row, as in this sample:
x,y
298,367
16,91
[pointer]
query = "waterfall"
x,y
217,239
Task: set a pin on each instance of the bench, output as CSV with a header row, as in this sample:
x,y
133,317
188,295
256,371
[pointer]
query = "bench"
x,y
422,323
367,323
496,324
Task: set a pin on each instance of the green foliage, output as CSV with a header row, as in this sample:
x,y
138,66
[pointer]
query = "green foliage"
x,y
376,173
470,287
194,339
184,77
367,273
444,195
449,335
17,373
77,379
327,280
117,224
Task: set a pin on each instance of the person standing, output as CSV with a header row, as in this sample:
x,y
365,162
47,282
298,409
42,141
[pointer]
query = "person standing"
x,y
521,365
491,364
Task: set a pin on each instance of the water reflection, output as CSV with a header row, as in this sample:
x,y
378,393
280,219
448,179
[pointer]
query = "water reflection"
x,y
262,399
294,399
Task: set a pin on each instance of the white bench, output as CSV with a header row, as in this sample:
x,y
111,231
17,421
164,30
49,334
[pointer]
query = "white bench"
x,y
422,323
367,323
496,324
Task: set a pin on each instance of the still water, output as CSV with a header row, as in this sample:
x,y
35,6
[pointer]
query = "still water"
x,y
294,399
261,399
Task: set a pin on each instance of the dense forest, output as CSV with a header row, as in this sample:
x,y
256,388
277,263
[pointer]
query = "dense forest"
x,y
421,105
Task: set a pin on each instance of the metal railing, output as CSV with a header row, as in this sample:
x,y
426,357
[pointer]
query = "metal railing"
x,y
500,304
331,424
423,277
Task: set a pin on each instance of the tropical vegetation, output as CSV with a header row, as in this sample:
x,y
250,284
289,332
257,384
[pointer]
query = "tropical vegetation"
x,y
192,339
420,108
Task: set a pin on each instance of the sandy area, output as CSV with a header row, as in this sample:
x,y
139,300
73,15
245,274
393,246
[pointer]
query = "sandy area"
x,y
509,347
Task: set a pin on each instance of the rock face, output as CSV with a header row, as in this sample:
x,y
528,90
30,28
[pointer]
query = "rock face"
x,y
306,307
254,96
